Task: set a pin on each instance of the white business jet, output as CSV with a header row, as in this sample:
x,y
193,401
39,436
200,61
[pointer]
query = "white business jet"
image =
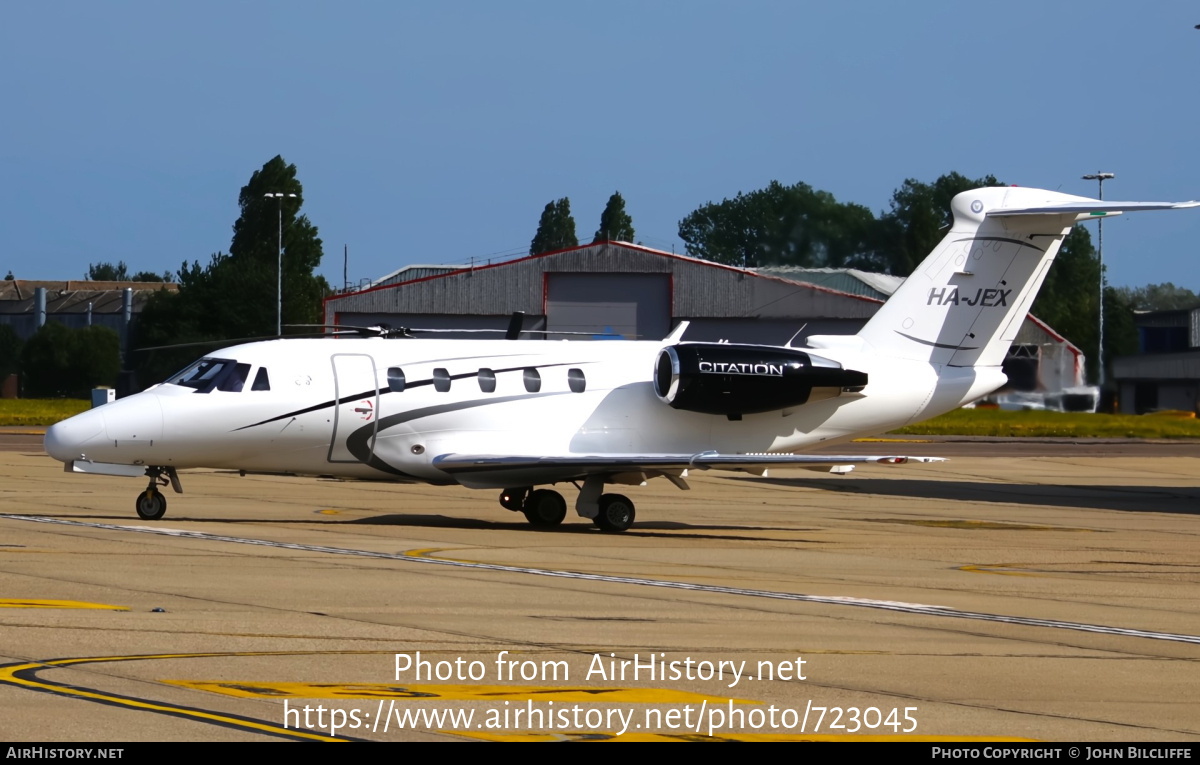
x,y
518,414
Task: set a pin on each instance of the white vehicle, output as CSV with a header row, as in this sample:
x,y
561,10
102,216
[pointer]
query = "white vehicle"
x,y
520,414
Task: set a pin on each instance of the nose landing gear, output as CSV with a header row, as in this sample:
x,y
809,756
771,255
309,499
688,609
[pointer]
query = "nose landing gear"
x,y
151,504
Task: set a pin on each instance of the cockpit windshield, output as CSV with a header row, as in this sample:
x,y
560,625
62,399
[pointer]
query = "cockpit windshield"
x,y
207,375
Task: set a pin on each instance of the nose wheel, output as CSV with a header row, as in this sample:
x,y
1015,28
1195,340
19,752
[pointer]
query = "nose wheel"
x,y
151,504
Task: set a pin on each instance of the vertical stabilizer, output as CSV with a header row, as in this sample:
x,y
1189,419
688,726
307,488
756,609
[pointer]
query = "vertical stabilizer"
x,y
965,303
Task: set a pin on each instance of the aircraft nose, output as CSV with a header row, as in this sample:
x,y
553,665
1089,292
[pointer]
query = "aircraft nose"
x,y
66,440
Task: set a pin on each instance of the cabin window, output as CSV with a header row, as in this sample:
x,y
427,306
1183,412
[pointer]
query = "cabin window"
x,y
261,381
235,379
576,380
533,380
395,379
487,380
441,380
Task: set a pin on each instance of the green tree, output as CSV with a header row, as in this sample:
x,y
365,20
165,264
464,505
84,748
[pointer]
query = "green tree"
x,y
150,276
780,225
46,361
556,229
1159,297
234,296
58,361
254,251
916,222
615,223
1120,329
10,351
107,272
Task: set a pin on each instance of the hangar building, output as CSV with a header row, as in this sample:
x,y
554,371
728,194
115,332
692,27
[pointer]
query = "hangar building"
x,y
25,305
616,288
1165,374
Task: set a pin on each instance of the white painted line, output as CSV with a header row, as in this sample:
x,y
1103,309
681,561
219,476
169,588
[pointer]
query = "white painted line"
x,y
885,605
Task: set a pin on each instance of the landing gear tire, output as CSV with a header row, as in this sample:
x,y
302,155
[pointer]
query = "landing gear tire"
x,y
616,513
151,505
545,508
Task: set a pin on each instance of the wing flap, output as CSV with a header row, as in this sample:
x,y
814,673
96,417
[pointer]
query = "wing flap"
x,y
595,463
495,471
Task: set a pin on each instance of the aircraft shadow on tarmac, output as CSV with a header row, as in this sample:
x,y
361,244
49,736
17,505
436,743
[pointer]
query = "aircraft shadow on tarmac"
x,y
674,529
1134,499
654,529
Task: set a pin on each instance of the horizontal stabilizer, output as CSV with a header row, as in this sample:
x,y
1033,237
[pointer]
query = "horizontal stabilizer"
x,y
1088,208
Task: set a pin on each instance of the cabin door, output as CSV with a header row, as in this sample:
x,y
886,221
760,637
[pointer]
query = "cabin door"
x,y
355,408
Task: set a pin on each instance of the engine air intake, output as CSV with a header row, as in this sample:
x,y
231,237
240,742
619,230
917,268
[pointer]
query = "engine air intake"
x,y
722,378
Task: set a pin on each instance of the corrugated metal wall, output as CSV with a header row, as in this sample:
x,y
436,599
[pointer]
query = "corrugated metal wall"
x,y
1174,366
698,288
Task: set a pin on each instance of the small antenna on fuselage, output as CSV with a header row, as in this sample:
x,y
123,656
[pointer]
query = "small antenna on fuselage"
x,y
789,342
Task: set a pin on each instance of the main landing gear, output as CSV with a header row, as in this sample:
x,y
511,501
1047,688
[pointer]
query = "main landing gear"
x,y
616,513
151,504
546,508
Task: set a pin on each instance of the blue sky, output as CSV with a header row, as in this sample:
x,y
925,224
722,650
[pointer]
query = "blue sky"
x,y
437,132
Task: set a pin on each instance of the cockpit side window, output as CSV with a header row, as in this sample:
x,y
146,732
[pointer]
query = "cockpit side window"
x,y
261,381
235,379
207,374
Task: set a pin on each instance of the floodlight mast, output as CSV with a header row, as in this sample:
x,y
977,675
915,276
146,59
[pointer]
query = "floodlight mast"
x,y
1100,178
279,195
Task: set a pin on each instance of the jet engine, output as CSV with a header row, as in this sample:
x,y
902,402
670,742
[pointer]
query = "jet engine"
x,y
728,379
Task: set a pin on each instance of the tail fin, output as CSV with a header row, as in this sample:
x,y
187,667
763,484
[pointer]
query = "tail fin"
x,y
965,303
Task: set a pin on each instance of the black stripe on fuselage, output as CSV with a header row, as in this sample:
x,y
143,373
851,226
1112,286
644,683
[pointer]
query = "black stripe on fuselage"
x,y
358,442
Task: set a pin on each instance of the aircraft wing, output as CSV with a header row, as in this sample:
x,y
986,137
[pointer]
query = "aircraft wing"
x,y
491,470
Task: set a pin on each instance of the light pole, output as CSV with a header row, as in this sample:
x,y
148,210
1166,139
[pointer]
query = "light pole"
x,y
1100,178
279,195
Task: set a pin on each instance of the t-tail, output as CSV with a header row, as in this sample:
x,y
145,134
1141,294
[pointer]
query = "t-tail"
x,y
964,304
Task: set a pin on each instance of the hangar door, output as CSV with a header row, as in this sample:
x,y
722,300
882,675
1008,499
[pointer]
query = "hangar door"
x,y
635,306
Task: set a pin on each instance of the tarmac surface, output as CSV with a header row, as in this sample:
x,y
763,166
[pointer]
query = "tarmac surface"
x,y
1022,590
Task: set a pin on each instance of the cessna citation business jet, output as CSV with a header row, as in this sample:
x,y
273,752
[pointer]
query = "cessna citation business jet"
x,y
519,414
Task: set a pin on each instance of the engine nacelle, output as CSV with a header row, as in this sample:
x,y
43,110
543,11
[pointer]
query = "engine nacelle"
x,y
721,378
